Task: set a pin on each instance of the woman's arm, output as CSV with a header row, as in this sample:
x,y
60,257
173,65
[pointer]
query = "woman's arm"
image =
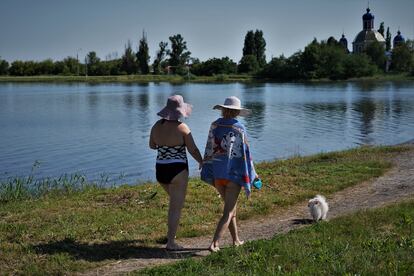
x,y
190,144
152,143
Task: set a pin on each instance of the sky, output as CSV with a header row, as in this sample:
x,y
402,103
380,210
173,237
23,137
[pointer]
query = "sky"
x,y
41,29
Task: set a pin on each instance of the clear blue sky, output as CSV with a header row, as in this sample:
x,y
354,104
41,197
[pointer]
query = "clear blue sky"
x,y
40,29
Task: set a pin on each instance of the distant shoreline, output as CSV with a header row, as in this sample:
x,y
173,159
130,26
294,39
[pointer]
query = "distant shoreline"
x,y
184,79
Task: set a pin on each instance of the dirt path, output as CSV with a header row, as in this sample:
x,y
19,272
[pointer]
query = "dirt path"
x,y
396,185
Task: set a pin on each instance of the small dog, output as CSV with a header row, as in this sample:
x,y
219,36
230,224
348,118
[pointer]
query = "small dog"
x,y
318,207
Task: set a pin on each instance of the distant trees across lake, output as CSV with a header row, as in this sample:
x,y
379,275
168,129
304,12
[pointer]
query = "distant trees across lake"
x,y
319,59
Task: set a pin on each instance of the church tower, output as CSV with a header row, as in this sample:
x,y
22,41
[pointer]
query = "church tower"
x,y
368,34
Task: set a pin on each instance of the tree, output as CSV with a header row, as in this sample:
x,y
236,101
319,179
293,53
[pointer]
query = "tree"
x,y
22,68
4,67
260,48
178,54
376,52
73,64
128,63
310,59
143,55
381,28
332,41
214,66
45,67
248,64
358,65
161,53
249,44
402,58
388,40
274,69
92,61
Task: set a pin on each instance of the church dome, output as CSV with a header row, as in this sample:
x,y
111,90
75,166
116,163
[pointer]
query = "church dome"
x,y
343,40
398,38
368,35
368,15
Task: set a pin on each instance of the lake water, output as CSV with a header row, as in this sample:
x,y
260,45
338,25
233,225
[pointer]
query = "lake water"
x,y
104,129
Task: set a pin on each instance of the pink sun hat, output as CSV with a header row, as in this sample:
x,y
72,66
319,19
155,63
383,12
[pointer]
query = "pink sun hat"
x,y
175,108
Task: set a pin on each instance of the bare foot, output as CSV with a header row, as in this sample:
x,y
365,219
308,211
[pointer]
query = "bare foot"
x,y
213,248
238,243
174,247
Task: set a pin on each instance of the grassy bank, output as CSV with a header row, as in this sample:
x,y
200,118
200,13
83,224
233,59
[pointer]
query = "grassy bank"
x,y
223,78
376,242
75,229
128,79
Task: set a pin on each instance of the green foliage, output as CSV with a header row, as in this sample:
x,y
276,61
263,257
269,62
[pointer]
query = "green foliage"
x,y
143,55
402,58
179,55
381,29
358,65
260,48
376,52
249,44
93,64
319,60
159,59
22,68
248,64
128,60
254,45
388,40
4,67
214,66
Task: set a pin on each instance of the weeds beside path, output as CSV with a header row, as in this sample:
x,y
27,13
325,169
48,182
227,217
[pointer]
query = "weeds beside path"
x,y
396,185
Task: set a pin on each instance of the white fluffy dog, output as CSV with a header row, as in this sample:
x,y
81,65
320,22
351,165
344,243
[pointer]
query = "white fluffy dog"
x,y
318,207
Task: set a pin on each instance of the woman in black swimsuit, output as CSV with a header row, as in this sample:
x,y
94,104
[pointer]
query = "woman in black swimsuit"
x,y
170,137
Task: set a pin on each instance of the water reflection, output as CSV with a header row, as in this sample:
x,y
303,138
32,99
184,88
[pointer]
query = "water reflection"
x,y
253,98
143,101
93,99
366,109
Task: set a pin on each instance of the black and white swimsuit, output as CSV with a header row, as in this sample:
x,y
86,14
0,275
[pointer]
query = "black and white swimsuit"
x,y
170,162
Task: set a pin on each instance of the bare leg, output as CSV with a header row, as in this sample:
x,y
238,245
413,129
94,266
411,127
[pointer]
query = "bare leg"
x,y
233,230
166,188
232,191
233,224
177,190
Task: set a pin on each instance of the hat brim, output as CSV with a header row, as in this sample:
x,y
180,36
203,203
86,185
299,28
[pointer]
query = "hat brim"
x,y
182,111
243,111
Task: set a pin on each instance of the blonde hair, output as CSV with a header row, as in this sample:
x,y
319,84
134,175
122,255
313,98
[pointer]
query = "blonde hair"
x,y
229,113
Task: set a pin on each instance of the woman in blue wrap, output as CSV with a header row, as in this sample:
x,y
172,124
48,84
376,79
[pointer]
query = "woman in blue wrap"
x,y
228,165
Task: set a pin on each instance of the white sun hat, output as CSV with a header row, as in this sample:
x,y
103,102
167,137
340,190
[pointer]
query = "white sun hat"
x,y
233,102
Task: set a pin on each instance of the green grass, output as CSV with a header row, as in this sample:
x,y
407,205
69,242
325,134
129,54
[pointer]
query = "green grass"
x,y
375,242
130,79
76,229
221,78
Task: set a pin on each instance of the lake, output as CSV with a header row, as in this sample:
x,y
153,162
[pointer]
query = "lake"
x,y
102,130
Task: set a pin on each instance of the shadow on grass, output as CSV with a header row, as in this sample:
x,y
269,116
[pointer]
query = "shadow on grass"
x,y
302,221
116,250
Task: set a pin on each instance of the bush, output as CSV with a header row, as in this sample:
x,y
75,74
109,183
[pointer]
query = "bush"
x,y
214,66
248,64
4,67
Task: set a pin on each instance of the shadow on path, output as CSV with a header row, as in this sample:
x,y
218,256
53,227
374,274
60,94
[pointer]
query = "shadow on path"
x,y
126,249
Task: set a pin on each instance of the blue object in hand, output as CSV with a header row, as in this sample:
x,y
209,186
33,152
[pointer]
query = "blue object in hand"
x,y
257,183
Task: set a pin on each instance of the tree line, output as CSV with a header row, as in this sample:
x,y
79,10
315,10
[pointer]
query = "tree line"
x,y
319,59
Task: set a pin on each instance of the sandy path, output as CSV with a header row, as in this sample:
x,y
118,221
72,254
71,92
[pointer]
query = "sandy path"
x,y
396,185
